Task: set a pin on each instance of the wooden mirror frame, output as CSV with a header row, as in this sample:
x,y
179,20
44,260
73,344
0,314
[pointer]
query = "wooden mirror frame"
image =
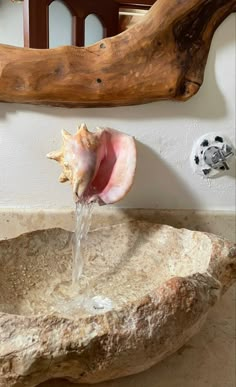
x,y
161,57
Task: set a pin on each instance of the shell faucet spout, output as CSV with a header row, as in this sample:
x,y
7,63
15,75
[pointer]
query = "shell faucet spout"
x,y
99,165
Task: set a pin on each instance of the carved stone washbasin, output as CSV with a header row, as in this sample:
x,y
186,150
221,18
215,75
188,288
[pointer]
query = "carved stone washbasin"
x,y
146,290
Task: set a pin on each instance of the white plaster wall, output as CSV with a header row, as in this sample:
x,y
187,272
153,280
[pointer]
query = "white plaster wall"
x,y
165,132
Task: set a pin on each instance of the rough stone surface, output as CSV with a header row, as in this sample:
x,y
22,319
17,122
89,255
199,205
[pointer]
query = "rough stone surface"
x,y
162,283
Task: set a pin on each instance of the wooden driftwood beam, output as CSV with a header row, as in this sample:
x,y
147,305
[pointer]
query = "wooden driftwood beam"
x,y
162,57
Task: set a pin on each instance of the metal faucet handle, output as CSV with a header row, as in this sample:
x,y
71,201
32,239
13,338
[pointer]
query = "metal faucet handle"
x,y
216,157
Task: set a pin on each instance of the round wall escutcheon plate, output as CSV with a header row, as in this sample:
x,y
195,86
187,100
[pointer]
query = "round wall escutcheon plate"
x,y
212,154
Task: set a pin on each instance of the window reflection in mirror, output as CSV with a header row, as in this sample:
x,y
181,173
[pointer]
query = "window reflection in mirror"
x,y
94,30
11,23
60,24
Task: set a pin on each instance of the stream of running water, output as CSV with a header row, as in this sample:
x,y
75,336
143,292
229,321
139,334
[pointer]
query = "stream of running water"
x,y
83,219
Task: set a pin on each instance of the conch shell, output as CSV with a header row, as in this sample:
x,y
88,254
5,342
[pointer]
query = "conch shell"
x,y
100,165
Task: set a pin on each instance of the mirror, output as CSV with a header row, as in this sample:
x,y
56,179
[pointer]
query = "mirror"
x,y
53,23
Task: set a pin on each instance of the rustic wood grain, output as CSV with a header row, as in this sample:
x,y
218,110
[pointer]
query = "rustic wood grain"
x,y
162,57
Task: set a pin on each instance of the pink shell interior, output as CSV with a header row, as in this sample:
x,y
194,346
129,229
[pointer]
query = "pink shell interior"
x,y
115,169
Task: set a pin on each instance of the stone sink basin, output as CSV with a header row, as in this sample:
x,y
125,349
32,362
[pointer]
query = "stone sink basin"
x,y
146,289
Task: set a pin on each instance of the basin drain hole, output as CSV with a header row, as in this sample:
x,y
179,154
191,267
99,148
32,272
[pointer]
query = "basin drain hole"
x,y
98,304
